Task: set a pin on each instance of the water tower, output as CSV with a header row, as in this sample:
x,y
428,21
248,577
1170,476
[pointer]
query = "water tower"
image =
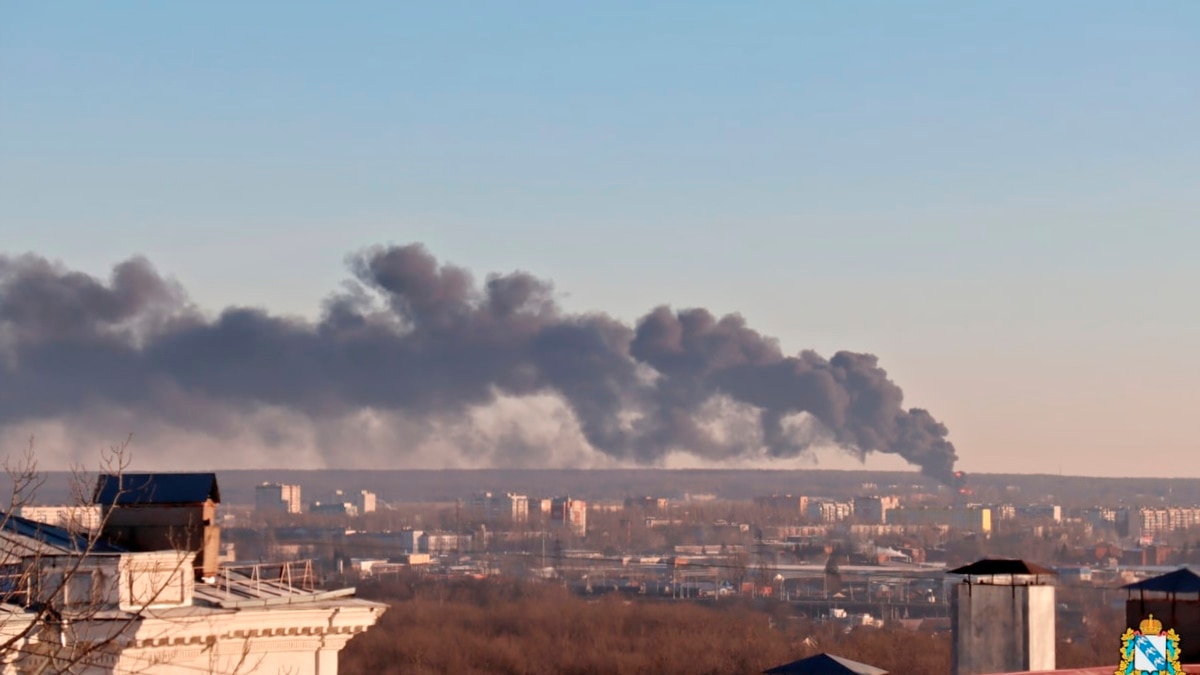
x,y
1002,617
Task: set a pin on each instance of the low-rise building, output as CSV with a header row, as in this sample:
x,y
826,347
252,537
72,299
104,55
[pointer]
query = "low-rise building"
x,y
440,543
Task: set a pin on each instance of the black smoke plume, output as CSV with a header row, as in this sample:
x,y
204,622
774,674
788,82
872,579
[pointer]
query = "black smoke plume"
x,y
412,337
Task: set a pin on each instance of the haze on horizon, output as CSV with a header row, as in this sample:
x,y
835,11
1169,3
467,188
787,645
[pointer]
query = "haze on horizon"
x,y
997,200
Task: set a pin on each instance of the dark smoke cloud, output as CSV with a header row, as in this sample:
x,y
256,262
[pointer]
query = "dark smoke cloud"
x,y
422,341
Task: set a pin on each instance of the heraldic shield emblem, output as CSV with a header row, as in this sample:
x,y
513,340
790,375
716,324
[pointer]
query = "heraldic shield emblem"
x,y
1149,650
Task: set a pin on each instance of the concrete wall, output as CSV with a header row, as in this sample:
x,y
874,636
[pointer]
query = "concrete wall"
x,y
298,639
999,629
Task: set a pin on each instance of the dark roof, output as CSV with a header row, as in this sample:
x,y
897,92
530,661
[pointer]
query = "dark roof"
x,y
55,536
1181,580
156,488
825,664
995,566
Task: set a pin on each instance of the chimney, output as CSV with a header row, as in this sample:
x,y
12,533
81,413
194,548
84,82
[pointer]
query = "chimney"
x,y
162,512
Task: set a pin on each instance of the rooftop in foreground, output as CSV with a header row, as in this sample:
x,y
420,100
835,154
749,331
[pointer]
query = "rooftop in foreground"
x,y
1092,670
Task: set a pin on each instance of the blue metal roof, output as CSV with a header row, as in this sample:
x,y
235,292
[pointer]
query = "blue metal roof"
x,y
1181,580
156,489
55,536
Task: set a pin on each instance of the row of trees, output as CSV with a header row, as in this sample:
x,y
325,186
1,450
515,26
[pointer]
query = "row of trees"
x,y
532,628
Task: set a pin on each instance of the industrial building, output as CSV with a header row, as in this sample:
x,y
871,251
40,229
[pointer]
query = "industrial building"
x,y
435,543
341,504
149,595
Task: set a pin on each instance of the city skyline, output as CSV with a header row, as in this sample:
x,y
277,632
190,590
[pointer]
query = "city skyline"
x,y
994,200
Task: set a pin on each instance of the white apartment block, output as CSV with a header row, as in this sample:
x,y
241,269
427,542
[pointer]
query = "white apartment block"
x,y
1150,522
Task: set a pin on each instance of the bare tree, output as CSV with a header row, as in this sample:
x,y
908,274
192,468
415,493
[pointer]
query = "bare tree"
x,y
97,594
57,582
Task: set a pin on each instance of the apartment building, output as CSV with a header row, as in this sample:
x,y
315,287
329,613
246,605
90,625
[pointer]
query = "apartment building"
x,y
277,498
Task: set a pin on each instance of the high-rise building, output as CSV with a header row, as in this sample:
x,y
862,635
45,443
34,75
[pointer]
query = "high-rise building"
x,y
569,513
365,501
515,508
873,510
276,498
505,509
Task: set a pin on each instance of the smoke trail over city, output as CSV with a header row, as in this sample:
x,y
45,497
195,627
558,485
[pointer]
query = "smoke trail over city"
x,y
412,352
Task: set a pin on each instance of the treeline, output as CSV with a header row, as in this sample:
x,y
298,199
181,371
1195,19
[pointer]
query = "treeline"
x,y
528,628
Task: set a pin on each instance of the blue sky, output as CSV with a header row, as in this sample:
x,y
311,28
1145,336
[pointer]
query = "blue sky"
x,y
998,199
